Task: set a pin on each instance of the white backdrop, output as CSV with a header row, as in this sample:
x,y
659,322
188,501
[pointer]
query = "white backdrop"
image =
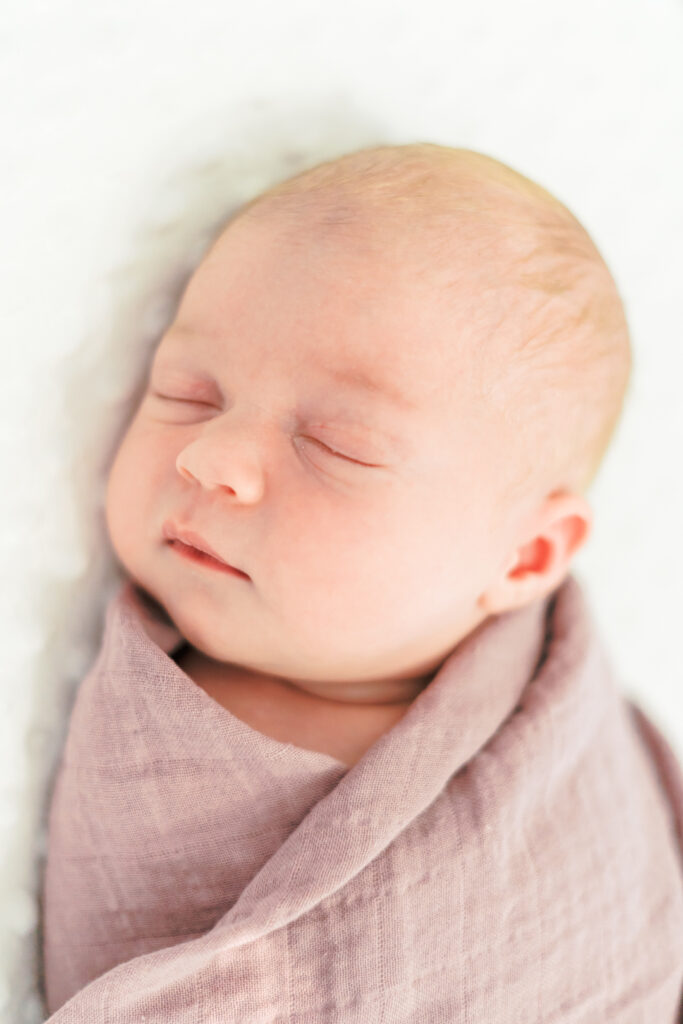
x,y
131,129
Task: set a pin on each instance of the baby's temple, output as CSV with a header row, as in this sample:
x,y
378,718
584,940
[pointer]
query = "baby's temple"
x,y
353,748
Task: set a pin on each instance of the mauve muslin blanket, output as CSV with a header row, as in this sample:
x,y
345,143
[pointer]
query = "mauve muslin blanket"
x,y
509,852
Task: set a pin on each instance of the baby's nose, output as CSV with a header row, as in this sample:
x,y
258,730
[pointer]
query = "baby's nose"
x,y
228,459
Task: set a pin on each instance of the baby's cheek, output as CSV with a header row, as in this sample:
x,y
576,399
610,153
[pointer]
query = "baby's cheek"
x,y
130,484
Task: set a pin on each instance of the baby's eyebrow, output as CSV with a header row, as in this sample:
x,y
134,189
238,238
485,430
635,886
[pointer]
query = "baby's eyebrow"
x,y
352,377
356,378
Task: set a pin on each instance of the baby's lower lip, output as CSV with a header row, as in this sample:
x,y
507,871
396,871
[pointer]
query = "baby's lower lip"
x,y
201,558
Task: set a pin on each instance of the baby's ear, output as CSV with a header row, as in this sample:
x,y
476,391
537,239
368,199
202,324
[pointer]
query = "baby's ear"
x,y
560,528
568,525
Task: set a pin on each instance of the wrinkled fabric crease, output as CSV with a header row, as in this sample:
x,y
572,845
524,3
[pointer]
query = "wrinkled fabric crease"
x,y
510,851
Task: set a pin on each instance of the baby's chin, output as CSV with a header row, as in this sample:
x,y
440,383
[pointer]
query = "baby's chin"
x,y
152,604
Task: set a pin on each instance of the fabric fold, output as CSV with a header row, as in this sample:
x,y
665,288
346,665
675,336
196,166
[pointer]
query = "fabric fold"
x,y
508,843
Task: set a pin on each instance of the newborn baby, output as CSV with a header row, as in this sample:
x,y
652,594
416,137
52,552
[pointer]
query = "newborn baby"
x,y
363,395
347,506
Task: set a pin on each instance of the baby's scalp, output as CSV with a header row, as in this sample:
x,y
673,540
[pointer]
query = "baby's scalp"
x,y
528,292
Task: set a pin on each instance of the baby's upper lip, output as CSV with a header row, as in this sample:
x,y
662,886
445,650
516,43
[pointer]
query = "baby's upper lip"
x,y
172,532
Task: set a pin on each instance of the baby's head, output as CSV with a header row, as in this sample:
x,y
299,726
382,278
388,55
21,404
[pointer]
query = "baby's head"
x,y
385,391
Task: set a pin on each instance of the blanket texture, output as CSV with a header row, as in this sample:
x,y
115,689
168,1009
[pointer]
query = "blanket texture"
x,y
509,852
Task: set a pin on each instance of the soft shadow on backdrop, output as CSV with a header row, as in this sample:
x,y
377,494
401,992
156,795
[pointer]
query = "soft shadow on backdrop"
x,y
134,132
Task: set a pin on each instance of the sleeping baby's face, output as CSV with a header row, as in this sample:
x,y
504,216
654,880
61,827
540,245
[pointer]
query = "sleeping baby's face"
x,y
314,414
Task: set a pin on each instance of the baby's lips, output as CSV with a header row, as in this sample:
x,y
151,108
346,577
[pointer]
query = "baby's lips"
x,y
184,535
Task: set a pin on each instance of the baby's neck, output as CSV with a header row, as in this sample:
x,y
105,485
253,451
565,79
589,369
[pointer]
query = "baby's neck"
x,y
382,693
343,729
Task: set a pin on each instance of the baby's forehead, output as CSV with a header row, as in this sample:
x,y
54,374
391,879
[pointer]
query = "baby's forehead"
x,y
482,257
418,314
471,266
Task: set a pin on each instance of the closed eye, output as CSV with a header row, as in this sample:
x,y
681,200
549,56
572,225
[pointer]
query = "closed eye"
x,y
340,455
185,401
330,451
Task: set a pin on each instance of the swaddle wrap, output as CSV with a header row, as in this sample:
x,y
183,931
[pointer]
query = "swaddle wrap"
x,y
509,852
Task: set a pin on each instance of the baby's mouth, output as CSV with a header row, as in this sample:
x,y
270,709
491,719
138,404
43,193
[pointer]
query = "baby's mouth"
x,y
201,558
192,546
